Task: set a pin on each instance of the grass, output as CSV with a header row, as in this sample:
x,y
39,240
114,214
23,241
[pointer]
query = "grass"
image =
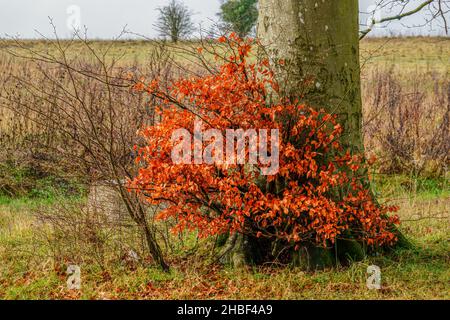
x,y
407,54
411,53
421,272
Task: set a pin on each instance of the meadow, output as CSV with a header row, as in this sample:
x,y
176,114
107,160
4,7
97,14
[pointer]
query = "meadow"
x,y
44,226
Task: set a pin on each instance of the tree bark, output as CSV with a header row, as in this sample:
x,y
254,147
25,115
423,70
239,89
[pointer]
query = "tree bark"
x,y
318,42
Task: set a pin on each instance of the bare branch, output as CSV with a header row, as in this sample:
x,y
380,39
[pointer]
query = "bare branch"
x,y
395,17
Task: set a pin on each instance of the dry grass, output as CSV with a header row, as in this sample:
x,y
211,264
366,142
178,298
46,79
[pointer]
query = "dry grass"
x,y
410,53
425,54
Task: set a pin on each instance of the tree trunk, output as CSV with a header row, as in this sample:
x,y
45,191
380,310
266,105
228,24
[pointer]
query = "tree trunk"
x,y
314,48
319,44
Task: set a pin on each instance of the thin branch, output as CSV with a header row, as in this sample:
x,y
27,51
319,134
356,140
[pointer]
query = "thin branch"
x,y
396,17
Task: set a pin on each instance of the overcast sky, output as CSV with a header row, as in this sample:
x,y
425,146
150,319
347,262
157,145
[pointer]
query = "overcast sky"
x,y
106,18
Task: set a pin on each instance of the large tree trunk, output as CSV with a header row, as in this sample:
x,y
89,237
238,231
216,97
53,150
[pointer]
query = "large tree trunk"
x,y
319,44
318,41
314,47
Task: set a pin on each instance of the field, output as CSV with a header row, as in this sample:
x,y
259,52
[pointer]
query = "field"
x,y
399,74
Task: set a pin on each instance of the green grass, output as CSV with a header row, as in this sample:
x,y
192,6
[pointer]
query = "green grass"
x,y
422,187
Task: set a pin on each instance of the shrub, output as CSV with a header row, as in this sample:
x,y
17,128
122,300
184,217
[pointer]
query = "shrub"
x,y
317,195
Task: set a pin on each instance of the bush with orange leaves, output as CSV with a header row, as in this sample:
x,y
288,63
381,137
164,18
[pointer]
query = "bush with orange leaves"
x,y
318,194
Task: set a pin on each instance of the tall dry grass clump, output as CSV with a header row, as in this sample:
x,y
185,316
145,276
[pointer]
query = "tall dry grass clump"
x,y
406,121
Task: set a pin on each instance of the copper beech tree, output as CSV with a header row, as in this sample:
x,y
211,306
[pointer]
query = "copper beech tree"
x,y
315,199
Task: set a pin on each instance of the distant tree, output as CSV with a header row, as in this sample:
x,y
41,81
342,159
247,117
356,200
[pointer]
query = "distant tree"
x,y
174,21
240,15
382,12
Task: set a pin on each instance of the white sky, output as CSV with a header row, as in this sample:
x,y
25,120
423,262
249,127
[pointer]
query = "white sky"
x,y
106,18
